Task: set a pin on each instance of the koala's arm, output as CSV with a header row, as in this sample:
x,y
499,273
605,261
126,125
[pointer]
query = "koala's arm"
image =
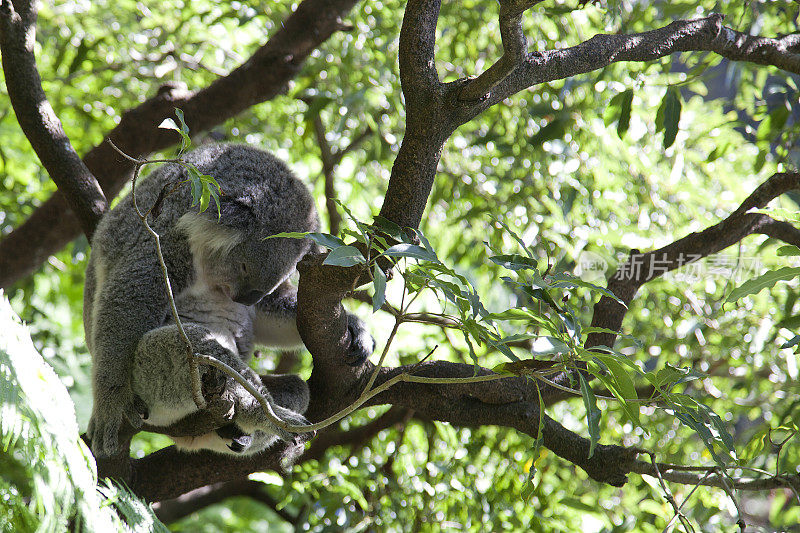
x,y
275,325
124,306
275,322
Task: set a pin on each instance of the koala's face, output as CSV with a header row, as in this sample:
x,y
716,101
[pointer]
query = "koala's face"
x,y
257,266
233,255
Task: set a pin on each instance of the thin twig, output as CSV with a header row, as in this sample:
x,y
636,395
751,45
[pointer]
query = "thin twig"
x,y
194,371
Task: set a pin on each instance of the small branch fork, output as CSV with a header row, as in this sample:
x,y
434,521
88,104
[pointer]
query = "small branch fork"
x,y
515,51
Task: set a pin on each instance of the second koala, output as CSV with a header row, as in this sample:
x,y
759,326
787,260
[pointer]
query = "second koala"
x,y
219,327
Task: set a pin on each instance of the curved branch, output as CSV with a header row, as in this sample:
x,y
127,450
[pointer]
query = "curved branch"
x,y
515,50
260,78
643,267
704,34
38,120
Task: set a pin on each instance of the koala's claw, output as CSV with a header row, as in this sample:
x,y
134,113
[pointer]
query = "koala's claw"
x,y
106,423
239,440
361,342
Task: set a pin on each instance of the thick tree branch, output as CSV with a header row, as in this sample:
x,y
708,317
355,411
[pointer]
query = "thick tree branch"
x,y
484,403
429,117
704,34
260,78
169,511
168,473
37,118
418,75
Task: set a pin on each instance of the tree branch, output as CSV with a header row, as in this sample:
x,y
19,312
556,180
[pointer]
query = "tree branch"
x,y
704,34
643,267
38,120
330,159
515,50
700,476
169,511
263,76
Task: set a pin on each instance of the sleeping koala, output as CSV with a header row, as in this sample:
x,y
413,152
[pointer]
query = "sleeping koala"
x,y
225,263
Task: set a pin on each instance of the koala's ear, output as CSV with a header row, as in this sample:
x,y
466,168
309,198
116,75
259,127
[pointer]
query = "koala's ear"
x,y
235,212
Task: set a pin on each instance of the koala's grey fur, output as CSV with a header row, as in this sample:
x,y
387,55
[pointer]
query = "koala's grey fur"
x,y
219,327
217,263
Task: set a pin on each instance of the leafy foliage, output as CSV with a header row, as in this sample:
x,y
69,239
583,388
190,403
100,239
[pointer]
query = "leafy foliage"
x,y
49,479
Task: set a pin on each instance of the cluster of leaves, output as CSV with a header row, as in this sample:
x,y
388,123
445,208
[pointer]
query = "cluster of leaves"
x,y
49,482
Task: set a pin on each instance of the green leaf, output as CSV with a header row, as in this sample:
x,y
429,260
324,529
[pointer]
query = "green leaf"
x,y
791,343
625,113
555,129
326,239
623,386
388,227
764,281
514,262
183,130
756,446
789,250
672,115
568,281
205,196
410,250
619,109
592,413
772,126
515,236
289,235
344,256
380,287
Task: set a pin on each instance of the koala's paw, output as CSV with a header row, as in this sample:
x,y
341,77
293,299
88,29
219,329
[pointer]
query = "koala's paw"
x,y
235,438
294,419
361,342
111,409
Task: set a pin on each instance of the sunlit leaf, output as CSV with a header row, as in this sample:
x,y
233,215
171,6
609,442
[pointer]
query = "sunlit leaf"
x,y
344,256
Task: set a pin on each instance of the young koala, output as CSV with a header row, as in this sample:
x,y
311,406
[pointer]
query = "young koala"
x,y
220,262
219,327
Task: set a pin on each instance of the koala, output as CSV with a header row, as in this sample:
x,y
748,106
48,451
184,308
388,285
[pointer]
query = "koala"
x,y
222,261
222,328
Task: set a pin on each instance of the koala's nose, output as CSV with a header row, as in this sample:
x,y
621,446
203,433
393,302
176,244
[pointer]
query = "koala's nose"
x,y
249,298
